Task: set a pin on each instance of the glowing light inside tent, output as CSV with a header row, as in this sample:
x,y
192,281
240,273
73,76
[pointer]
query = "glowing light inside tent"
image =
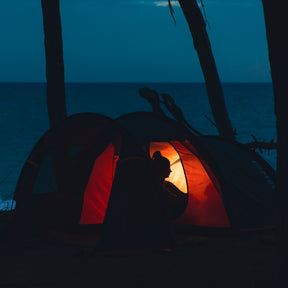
x,y
177,176
205,206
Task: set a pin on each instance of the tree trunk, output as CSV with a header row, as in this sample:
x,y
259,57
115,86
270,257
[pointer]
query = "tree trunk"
x,y
277,31
54,62
56,103
202,45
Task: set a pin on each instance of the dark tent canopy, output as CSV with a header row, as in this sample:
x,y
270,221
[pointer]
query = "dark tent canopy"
x,y
73,177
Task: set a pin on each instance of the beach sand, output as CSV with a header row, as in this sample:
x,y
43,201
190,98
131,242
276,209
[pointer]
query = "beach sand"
x,y
197,261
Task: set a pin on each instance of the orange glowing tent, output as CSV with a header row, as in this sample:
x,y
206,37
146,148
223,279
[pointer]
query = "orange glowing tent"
x,y
68,181
228,186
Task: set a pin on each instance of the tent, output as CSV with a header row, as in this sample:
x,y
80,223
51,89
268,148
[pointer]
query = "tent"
x,y
68,181
228,186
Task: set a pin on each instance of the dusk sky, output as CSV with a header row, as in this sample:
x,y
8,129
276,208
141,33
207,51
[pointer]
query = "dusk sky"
x,y
134,41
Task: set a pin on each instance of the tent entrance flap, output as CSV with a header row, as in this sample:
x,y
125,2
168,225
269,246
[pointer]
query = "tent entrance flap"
x,y
97,192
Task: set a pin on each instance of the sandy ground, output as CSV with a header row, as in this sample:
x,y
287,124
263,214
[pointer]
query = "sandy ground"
x,y
197,261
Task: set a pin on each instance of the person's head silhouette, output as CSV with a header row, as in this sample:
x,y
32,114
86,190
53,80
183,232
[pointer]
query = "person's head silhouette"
x,y
161,166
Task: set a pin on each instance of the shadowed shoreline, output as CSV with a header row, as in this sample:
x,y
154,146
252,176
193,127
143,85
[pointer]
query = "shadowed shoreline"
x,y
245,260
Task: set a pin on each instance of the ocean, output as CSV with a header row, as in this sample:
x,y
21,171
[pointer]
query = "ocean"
x,y
24,118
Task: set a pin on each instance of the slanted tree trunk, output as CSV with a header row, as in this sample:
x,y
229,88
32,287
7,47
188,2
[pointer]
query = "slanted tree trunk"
x,y
277,31
54,62
202,45
56,105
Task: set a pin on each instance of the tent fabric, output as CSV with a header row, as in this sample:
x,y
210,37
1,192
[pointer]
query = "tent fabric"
x,y
97,192
93,170
59,198
228,185
250,181
205,205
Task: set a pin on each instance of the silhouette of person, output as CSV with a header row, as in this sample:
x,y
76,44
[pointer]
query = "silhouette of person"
x,y
162,166
174,198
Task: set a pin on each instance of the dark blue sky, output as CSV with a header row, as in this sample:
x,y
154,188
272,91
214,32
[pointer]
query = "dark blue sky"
x,y
133,40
